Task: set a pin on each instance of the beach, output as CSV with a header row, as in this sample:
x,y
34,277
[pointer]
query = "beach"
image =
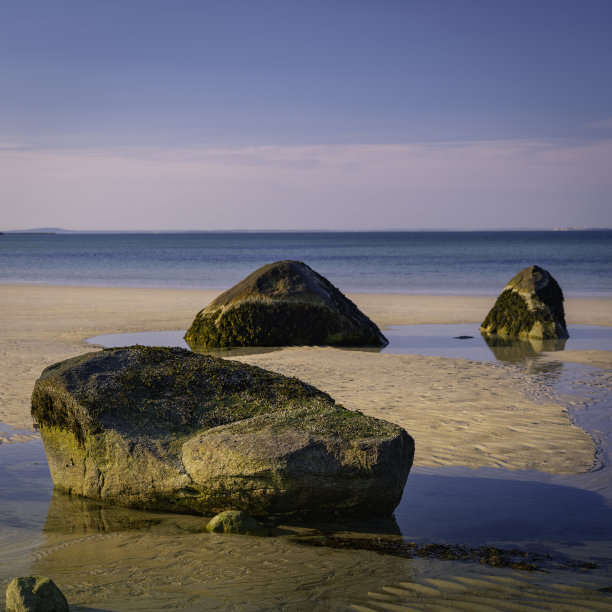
x,y
462,413
469,413
190,191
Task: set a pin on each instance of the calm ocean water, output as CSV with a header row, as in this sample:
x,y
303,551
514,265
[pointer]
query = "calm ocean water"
x,y
463,263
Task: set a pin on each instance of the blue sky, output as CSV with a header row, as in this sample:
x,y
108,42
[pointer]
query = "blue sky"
x,y
278,114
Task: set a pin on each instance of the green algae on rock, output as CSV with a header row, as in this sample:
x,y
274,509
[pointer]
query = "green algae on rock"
x,y
530,305
281,304
234,521
164,428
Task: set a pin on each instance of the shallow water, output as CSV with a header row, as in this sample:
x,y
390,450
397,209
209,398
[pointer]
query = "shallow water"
x,y
108,558
459,341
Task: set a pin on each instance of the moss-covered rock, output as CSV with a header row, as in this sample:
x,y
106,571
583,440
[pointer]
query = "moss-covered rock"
x,y
531,305
34,594
234,521
165,428
281,304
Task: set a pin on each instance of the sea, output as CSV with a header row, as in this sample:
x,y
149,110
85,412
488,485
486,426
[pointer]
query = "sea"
x,y
446,263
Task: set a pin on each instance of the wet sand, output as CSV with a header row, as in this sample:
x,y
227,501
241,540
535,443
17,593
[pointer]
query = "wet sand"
x,y
111,558
461,413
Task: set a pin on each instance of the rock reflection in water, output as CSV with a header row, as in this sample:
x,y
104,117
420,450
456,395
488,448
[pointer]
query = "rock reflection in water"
x,y
234,351
71,514
107,557
79,515
519,349
110,558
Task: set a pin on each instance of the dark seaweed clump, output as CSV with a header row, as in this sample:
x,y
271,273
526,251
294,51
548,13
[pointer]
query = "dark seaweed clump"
x,y
282,304
512,314
258,323
486,555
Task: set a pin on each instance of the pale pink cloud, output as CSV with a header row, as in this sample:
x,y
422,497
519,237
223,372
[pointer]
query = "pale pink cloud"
x,y
451,185
604,123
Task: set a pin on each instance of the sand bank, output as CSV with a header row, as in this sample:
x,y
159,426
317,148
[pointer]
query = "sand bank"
x,y
597,359
460,412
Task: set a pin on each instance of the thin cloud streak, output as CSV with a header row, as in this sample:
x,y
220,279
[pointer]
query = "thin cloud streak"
x,y
511,183
604,123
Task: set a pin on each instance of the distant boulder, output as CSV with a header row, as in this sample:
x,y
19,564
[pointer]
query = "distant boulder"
x,y
168,429
531,305
281,304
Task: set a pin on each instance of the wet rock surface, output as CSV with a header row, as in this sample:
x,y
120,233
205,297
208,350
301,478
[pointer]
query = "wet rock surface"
x,y
236,522
34,594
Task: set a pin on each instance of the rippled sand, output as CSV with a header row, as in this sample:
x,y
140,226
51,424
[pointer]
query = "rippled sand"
x,y
119,559
461,413
150,571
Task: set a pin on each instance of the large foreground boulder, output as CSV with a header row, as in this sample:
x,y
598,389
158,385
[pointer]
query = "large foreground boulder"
x,y
164,428
281,304
531,305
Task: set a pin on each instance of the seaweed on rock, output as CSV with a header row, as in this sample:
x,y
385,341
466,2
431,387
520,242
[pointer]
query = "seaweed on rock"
x,y
512,316
280,304
531,305
165,428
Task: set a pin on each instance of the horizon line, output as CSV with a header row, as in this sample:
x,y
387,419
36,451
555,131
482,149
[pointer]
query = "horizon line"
x,y
61,230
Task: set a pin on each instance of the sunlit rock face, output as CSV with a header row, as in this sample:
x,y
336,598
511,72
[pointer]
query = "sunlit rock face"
x,y
281,304
168,429
34,593
531,305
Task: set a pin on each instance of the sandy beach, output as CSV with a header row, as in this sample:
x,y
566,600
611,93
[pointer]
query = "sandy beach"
x,y
460,412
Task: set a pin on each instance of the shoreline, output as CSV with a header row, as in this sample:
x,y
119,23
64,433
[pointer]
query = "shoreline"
x,y
460,412
468,418
383,308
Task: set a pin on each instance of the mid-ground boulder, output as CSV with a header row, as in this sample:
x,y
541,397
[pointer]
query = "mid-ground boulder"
x,y
281,304
530,305
164,428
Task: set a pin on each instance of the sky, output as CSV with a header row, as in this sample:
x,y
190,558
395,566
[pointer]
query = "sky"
x,y
312,114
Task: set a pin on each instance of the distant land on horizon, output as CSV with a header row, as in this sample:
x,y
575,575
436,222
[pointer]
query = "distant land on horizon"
x,y
60,230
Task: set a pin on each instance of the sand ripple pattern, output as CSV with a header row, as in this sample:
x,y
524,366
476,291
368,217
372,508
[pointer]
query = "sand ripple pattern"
x,y
502,593
151,570
459,412
201,571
